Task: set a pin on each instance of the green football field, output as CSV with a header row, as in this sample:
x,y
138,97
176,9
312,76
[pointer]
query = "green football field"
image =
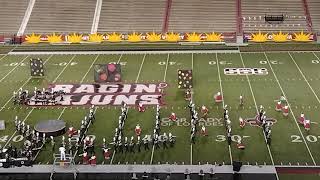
x,y
294,74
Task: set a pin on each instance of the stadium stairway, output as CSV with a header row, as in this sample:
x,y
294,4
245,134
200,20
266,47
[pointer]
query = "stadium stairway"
x,y
11,15
26,18
96,18
166,16
61,16
254,11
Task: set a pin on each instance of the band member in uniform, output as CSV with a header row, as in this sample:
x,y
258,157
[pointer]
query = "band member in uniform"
x,y
141,107
106,153
278,106
204,131
285,110
146,143
85,158
139,144
173,116
302,118
242,123
187,95
306,125
241,100
204,111
240,145
131,145
72,131
138,130
126,145
218,97
93,160
171,140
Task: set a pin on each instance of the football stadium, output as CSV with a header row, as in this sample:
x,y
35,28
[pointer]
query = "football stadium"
x,y
160,89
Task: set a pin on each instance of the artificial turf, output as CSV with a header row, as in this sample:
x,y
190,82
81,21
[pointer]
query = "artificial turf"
x,y
287,147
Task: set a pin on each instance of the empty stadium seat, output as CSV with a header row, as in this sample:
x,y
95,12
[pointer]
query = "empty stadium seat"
x,y
11,15
253,13
61,16
203,16
132,15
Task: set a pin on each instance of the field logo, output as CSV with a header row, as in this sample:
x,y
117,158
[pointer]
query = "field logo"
x,y
255,122
245,71
109,94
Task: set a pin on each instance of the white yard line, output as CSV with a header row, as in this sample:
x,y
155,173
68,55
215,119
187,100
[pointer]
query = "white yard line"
x,y
192,61
220,81
18,65
191,153
164,80
256,107
11,97
315,55
144,57
120,58
165,72
124,52
304,77
89,68
152,154
142,62
191,145
295,120
65,67
3,57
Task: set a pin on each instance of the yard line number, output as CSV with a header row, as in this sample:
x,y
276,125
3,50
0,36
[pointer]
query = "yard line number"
x,y
220,62
309,138
17,138
234,138
271,61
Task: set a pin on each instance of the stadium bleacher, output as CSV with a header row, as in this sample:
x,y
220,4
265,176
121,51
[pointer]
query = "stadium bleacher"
x,y
314,8
203,16
253,13
129,16
150,15
61,16
11,15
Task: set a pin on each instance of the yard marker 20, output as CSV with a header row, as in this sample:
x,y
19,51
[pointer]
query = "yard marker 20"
x,y
295,120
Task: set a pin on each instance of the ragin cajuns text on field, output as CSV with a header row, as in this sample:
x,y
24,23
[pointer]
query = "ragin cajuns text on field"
x,y
109,94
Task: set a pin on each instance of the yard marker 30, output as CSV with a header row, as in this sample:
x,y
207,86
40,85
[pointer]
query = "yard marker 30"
x,y
256,107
